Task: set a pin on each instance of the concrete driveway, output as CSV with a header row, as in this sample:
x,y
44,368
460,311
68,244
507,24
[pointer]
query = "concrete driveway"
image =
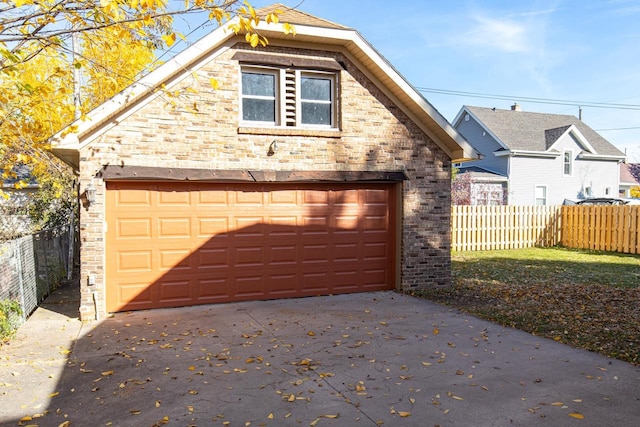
x,y
351,360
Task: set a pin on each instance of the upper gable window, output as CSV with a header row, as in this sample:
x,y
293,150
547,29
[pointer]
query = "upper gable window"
x,y
567,167
285,97
259,96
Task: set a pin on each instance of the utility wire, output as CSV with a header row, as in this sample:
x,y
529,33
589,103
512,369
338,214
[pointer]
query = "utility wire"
x,y
608,105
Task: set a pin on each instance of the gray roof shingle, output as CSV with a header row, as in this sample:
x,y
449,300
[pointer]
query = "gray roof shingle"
x,y
294,16
521,130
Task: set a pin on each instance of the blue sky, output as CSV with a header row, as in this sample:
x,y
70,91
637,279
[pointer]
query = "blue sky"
x,y
583,52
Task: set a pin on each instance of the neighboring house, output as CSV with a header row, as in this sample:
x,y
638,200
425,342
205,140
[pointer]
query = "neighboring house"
x,y
543,158
629,178
479,186
314,168
15,191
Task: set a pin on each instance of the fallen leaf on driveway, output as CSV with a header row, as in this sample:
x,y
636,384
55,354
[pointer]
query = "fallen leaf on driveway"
x,y
577,415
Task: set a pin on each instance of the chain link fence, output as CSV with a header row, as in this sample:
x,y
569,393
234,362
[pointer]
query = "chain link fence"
x,y
33,266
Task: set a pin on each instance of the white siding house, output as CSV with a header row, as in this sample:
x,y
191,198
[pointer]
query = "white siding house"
x,y
543,159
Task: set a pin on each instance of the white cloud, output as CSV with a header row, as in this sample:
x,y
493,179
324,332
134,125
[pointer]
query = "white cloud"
x,y
503,35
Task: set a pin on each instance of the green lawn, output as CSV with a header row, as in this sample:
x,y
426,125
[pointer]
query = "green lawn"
x,y
582,298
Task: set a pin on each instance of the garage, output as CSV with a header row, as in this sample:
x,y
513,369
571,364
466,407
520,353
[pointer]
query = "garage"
x,y
185,243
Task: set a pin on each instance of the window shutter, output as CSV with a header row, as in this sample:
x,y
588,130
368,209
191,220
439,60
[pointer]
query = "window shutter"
x,y
290,98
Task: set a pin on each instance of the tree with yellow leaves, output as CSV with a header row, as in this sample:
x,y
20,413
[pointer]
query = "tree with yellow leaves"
x,y
38,61
36,100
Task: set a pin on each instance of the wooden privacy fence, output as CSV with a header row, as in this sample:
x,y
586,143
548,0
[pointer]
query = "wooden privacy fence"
x,y
606,228
602,228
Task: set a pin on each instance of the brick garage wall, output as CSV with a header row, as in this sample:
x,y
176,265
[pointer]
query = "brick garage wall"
x,y
198,128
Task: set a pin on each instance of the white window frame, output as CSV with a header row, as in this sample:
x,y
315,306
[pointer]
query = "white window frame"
x,y
588,192
535,195
565,164
277,95
332,103
281,97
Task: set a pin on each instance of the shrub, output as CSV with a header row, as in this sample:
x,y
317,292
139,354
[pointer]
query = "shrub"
x,y
10,316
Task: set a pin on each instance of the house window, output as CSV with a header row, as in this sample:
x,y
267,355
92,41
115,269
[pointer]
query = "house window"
x,y
316,100
279,97
541,195
567,163
259,96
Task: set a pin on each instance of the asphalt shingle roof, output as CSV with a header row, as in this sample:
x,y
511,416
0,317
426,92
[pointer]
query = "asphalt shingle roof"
x,y
521,130
295,16
630,172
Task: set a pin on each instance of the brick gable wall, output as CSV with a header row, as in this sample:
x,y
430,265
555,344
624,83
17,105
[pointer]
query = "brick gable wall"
x,y
197,127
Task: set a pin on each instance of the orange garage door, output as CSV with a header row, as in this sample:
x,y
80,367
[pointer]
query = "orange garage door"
x,y
176,244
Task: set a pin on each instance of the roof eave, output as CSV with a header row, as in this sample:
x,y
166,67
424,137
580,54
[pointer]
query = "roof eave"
x,y
609,157
72,136
525,153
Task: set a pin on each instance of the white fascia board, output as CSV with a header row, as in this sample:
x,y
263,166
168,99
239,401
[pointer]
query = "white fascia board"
x,y
526,153
578,135
487,179
72,140
588,156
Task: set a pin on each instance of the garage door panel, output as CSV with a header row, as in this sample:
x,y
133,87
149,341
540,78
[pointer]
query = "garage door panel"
x,y
283,285
280,255
249,256
284,226
375,251
347,222
208,227
206,197
133,198
249,198
212,290
135,294
315,198
174,260
249,227
249,286
174,227
345,281
375,223
346,198
285,198
174,198
375,197
212,257
133,261
315,225
315,282
185,243
133,228
345,252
